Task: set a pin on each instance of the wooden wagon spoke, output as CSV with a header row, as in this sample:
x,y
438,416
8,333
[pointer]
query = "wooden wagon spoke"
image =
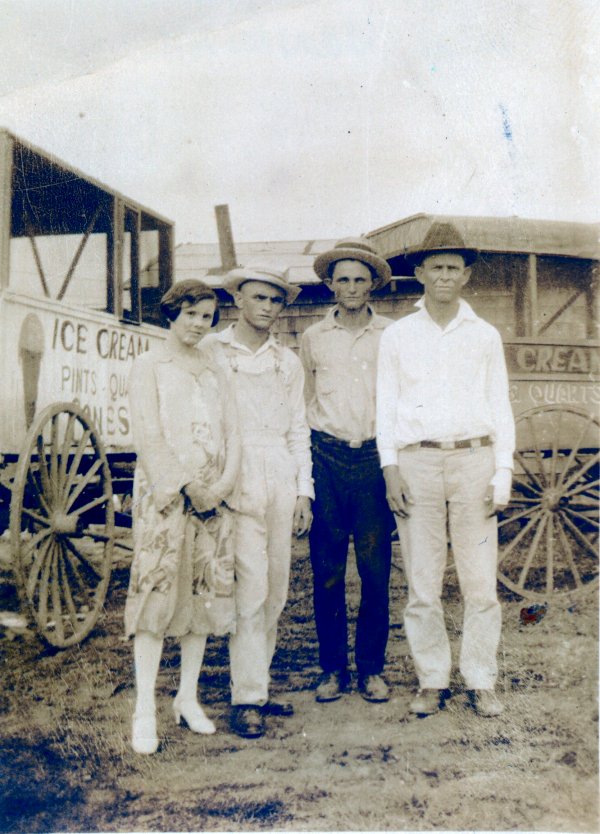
x,y
84,560
55,596
66,587
569,556
91,504
42,610
70,552
35,488
536,449
587,519
550,554
73,471
592,461
35,541
591,486
66,448
39,519
36,567
521,534
554,456
577,534
54,453
43,468
532,551
575,444
85,481
534,483
527,511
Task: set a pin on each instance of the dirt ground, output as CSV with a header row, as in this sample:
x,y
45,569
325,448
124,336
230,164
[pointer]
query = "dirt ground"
x,y
66,765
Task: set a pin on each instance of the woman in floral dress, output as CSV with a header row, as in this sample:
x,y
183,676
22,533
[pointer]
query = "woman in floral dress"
x,y
188,452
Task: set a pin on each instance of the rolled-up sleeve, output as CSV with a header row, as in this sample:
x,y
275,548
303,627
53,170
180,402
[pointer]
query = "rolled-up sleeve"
x,y
298,436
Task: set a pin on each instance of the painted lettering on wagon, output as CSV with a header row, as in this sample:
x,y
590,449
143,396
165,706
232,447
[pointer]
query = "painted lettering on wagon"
x,y
549,393
110,343
553,359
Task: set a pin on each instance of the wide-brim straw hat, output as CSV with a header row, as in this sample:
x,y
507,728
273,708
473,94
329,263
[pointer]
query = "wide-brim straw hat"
x,y
354,249
440,238
241,275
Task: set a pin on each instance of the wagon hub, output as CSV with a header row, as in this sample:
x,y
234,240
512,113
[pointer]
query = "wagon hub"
x,y
552,500
64,522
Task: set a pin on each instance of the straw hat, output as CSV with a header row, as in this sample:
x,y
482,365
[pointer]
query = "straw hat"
x,y
354,249
241,275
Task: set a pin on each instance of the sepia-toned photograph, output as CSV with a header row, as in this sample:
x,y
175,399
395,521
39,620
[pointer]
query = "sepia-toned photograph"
x,y
300,415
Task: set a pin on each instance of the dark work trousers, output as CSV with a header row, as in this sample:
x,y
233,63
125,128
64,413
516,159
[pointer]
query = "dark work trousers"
x,y
350,499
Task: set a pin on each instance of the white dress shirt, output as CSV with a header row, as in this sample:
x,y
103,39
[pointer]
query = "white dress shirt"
x,y
442,384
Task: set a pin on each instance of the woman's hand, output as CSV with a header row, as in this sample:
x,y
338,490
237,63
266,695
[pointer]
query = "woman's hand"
x,y
202,498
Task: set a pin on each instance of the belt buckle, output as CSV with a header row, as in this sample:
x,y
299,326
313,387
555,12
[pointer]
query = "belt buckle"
x,y
476,443
447,445
355,444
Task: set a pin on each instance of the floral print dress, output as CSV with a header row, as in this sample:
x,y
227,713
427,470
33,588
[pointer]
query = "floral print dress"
x,y
184,428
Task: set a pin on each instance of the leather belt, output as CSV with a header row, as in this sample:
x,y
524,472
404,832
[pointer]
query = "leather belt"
x,y
342,444
470,443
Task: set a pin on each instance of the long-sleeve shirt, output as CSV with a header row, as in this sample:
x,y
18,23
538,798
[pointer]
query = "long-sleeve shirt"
x,y
270,357
442,384
341,371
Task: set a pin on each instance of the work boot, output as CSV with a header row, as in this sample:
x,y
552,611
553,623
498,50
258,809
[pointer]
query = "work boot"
x,y
427,702
373,688
247,720
486,703
276,707
332,686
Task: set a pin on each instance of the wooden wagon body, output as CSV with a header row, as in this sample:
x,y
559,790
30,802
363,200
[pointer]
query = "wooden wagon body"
x,y
77,305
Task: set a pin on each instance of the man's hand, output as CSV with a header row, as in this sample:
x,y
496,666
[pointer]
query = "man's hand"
x,y
397,491
497,494
202,498
302,516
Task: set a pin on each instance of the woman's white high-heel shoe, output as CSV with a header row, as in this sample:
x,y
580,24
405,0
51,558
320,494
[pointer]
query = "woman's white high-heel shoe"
x,y
193,715
143,732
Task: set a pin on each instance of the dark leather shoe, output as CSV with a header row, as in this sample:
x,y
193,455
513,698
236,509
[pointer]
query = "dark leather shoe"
x,y
247,720
373,688
276,707
332,686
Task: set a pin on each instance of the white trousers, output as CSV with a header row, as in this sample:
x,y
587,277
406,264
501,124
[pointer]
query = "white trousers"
x,y
263,542
449,486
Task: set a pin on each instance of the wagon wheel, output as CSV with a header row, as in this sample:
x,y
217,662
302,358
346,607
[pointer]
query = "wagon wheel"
x,y
549,532
62,524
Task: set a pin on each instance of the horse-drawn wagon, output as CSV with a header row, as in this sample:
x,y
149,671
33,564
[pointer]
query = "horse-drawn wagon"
x,y
81,270
537,282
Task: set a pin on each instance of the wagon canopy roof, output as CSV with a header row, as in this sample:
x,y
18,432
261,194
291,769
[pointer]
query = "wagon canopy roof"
x,y
495,234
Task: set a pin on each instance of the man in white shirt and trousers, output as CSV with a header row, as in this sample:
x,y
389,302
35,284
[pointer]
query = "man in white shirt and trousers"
x,y
446,437
275,489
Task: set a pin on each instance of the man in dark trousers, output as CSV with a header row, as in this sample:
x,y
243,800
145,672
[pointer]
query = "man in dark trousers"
x,y
339,355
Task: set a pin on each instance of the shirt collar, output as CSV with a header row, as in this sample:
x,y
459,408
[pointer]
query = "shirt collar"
x,y
465,312
227,337
331,321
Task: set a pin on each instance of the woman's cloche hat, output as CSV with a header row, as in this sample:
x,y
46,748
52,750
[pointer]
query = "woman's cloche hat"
x,y
266,275
440,238
354,249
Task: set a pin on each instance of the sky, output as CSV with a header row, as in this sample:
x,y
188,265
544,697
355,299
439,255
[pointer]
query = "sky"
x,y
314,118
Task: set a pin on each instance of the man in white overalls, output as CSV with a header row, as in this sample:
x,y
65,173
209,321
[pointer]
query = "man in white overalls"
x,y
275,487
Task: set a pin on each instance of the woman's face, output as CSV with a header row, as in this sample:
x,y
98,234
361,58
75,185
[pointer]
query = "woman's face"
x,y
194,321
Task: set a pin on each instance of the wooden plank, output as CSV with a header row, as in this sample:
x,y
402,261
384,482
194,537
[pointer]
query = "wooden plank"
x,y
532,294
6,158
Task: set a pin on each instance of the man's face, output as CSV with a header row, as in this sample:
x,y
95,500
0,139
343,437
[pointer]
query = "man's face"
x,y
443,276
351,283
260,303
